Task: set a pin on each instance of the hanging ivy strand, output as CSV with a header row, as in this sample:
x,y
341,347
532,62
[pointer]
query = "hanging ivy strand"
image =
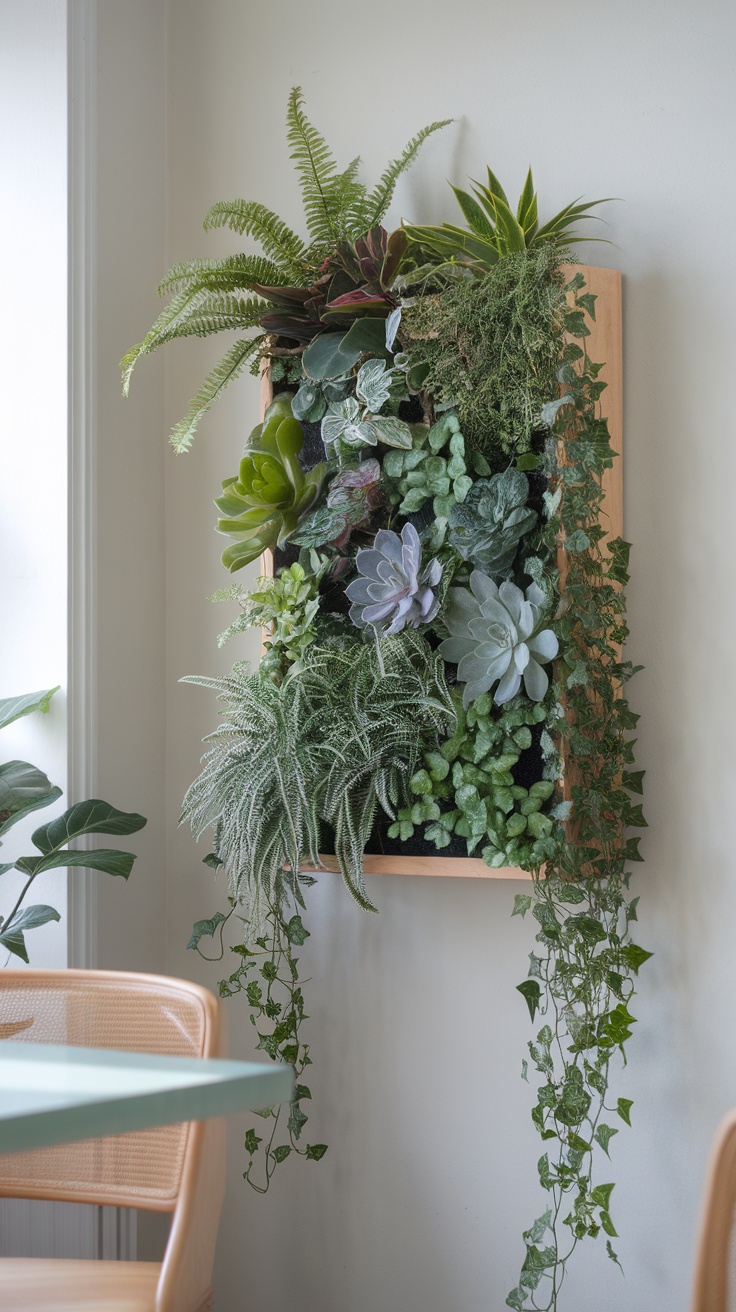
x,y
268,974
583,972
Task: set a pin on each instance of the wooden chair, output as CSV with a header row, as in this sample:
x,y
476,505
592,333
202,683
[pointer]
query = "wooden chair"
x,y
715,1267
177,1168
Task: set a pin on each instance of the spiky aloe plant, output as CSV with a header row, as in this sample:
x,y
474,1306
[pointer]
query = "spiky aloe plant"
x,y
208,295
494,230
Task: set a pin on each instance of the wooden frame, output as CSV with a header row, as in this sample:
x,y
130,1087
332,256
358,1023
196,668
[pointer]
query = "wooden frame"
x,y
603,344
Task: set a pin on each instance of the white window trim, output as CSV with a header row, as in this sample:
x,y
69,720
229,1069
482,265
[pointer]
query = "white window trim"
x,y
82,647
115,1231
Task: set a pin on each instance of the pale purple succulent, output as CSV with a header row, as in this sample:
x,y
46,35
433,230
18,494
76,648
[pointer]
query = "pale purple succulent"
x,y
394,591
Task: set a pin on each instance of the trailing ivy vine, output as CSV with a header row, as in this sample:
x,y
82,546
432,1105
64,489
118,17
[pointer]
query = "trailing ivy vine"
x,y
268,975
582,975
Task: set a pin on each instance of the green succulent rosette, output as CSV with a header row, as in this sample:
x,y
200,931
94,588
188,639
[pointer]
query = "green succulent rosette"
x,y
271,494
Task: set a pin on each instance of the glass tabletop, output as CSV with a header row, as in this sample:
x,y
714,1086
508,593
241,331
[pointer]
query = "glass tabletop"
x,y
51,1094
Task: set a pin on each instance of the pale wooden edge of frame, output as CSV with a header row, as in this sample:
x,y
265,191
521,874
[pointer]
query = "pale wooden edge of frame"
x,y
462,867
604,343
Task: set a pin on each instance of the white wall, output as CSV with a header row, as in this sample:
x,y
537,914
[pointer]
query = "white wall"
x,y
417,1032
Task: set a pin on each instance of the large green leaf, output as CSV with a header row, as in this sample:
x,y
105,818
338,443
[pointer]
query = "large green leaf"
x,y
13,708
23,787
559,223
494,186
453,243
367,336
106,859
28,918
36,804
326,358
511,233
90,817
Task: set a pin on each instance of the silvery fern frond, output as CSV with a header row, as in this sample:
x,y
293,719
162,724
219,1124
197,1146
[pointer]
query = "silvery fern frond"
x,y
256,788
338,740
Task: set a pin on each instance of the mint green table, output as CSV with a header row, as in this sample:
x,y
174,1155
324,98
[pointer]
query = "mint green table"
x,y
53,1094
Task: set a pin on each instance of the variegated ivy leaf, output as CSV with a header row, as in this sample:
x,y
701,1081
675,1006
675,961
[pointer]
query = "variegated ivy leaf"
x,y
342,423
373,384
552,501
548,413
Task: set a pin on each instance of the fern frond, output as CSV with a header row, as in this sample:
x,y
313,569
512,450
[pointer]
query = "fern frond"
x,y
251,219
197,312
378,200
213,386
344,194
316,170
165,327
229,275
255,788
218,313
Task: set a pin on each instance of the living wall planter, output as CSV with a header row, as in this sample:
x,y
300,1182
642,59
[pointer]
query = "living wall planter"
x,y
603,344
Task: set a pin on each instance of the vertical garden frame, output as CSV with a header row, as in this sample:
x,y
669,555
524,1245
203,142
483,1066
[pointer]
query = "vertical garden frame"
x,y
604,343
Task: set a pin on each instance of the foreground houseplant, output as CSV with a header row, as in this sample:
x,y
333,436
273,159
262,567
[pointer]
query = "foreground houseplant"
x,y
443,625
25,789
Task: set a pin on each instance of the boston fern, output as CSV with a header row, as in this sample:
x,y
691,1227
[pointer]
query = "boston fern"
x,y
208,295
